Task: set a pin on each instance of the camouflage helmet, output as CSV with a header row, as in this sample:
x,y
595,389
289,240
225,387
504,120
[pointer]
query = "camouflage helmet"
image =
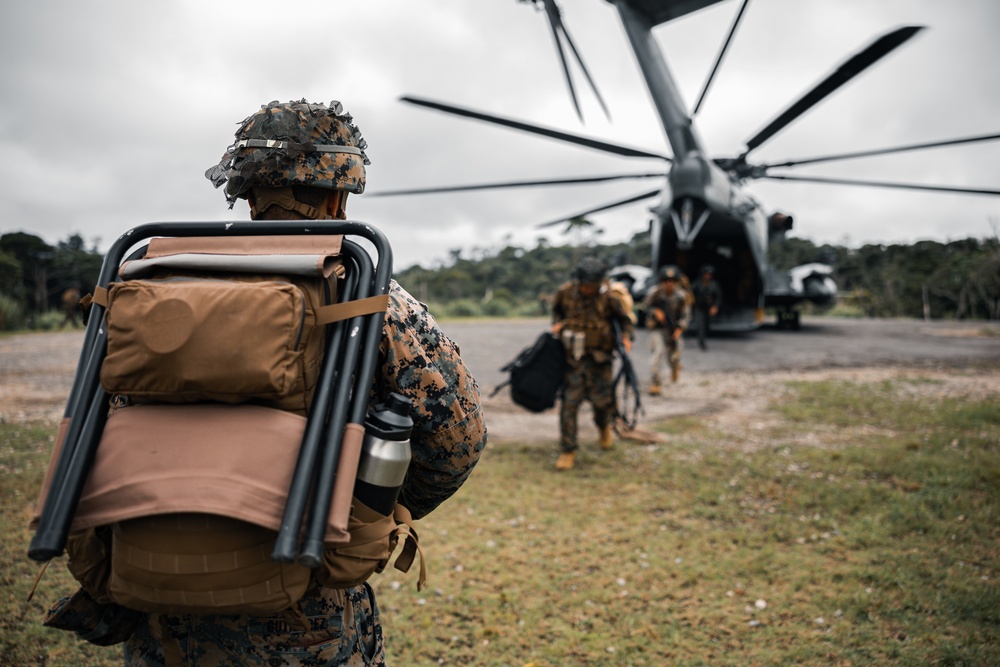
x,y
293,143
589,270
670,273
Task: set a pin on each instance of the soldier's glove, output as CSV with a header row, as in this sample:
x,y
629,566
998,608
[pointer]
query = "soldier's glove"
x,y
97,623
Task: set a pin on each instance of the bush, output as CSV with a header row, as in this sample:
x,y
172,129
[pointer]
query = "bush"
x,y
51,320
11,314
462,308
498,308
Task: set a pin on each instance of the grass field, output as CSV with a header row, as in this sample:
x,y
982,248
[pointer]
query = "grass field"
x,y
866,532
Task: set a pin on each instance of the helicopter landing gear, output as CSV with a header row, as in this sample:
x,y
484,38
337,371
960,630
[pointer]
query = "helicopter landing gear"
x,y
789,319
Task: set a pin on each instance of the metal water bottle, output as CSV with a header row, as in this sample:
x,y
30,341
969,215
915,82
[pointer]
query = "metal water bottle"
x,y
385,454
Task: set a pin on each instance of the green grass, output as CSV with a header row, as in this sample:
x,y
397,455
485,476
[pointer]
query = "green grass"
x,y
866,533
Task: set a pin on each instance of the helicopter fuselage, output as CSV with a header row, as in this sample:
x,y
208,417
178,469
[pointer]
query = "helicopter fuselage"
x,y
704,216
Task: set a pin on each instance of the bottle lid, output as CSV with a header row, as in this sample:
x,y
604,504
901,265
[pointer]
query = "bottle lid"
x,y
391,420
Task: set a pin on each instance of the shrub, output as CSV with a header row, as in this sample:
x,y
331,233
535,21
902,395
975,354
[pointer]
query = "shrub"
x,y
11,314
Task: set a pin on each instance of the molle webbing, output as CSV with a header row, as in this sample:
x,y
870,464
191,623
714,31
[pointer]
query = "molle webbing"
x,y
591,315
180,562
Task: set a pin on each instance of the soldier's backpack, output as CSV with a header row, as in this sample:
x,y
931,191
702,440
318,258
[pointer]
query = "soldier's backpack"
x,y
536,374
224,382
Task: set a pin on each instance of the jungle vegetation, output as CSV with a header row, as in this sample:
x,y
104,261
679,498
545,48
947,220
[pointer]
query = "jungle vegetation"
x,y
954,280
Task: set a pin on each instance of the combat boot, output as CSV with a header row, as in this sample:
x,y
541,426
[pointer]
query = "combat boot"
x,y
607,438
675,372
654,390
566,461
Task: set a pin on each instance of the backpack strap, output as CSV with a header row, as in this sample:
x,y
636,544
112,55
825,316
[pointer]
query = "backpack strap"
x,y
344,311
411,547
100,297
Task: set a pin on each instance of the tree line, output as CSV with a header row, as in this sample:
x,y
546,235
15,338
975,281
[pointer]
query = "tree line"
x,y
35,276
954,280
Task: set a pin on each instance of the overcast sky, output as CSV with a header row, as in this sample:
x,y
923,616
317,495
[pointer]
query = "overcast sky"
x,y
113,109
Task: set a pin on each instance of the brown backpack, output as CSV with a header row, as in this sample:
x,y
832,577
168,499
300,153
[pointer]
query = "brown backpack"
x,y
215,344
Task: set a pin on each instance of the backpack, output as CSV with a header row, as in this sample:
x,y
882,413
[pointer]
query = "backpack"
x,y
536,374
216,354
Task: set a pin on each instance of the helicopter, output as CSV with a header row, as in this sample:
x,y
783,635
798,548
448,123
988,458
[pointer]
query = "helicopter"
x,y
705,214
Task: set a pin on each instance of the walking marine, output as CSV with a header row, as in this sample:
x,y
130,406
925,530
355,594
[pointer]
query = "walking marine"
x,y
291,161
707,299
583,311
668,313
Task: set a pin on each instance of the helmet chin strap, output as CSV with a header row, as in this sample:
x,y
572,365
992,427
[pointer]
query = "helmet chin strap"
x,y
264,198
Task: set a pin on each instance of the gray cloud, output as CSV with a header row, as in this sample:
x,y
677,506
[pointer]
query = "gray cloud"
x,y
112,110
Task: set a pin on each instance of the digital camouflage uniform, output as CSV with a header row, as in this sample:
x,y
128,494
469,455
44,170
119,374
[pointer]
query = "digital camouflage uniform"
x,y
589,377
420,362
664,348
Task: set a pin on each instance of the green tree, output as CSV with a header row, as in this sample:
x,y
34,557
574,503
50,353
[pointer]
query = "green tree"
x,y
34,255
72,266
11,284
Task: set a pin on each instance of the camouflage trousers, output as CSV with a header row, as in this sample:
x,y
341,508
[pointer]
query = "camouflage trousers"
x,y
586,380
329,627
664,349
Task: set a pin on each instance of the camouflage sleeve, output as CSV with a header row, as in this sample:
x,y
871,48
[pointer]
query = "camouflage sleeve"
x,y
649,300
684,310
449,433
558,304
624,316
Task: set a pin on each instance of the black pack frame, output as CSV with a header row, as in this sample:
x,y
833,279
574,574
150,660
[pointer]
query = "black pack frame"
x,y
347,372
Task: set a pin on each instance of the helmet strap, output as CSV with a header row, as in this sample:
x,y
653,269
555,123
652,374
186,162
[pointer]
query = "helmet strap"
x,y
264,198
336,205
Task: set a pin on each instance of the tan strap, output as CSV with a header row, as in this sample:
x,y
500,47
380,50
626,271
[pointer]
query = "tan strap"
x,y
173,656
345,311
343,487
333,312
100,296
411,545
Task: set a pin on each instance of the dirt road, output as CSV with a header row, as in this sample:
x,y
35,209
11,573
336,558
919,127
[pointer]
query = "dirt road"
x,y
732,381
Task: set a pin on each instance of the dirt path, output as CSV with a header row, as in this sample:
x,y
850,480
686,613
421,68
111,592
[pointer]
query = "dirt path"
x,y
731,384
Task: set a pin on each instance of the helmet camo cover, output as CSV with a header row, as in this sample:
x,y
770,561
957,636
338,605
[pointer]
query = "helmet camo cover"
x,y
293,143
590,270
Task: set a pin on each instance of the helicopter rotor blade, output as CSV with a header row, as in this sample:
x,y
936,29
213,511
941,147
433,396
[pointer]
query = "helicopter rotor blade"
x,y
883,151
718,59
556,16
536,129
880,184
847,71
605,207
555,23
513,184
